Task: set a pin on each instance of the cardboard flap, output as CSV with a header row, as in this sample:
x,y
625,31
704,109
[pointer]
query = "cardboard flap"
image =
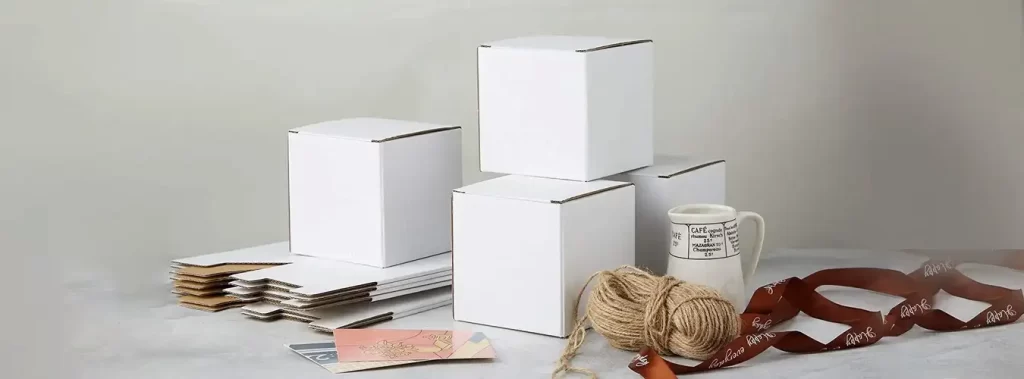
x,y
317,276
539,189
412,281
334,318
579,44
667,166
368,296
274,253
219,271
371,129
265,309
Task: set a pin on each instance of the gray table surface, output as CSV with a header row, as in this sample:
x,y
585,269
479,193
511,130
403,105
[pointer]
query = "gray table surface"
x,y
139,332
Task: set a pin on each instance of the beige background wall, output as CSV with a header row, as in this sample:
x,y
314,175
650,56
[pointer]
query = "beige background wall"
x,y
149,129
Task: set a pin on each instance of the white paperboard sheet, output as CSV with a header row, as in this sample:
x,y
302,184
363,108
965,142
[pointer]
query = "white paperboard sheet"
x,y
270,253
321,276
369,292
340,317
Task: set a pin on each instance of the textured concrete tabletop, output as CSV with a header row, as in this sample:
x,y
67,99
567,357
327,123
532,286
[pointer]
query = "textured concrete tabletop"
x,y
134,330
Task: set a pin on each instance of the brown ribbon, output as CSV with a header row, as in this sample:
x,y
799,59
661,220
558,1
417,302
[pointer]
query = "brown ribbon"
x,y
777,302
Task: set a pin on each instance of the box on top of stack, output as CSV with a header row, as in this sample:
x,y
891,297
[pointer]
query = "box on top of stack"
x,y
557,113
566,107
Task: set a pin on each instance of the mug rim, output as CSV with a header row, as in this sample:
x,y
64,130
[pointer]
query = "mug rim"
x,y
725,213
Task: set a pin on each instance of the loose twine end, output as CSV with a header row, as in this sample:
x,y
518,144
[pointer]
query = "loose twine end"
x,y
633,308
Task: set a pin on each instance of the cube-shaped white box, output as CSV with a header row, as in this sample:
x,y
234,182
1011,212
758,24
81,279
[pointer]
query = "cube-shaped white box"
x,y
670,182
372,191
523,248
577,108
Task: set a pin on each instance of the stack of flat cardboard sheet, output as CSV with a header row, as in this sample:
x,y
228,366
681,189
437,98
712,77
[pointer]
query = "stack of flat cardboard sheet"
x,y
355,315
312,289
200,282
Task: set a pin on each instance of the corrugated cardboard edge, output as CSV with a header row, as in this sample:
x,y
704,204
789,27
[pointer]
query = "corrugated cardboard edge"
x,y
691,169
358,324
614,45
295,303
563,201
407,135
396,285
452,228
288,185
479,130
221,270
592,193
419,133
210,309
592,49
257,316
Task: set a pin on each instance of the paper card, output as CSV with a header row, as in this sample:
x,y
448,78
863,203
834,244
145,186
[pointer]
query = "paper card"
x,y
324,354
368,345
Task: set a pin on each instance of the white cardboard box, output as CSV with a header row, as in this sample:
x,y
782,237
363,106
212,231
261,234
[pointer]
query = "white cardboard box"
x,y
372,191
577,108
524,247
671,181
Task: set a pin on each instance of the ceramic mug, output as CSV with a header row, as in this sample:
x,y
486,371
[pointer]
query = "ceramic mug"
x,y
705,248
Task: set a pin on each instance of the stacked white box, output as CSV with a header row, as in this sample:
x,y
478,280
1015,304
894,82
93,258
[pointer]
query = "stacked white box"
x,y
372,191
524,248
557,113
577,108
670,182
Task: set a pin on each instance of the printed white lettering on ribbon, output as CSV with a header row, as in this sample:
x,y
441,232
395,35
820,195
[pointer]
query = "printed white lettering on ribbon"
x,y
937,268
640,361
759,325
908,310
858,338
729,356
770,288
996,316
755,339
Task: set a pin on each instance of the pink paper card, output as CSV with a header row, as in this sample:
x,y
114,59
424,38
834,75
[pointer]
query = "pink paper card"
x,y
367,345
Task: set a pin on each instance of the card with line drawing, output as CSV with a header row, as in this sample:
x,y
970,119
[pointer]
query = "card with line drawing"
x,y
367,345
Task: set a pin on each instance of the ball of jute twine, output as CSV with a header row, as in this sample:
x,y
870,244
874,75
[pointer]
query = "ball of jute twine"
x,y
633,308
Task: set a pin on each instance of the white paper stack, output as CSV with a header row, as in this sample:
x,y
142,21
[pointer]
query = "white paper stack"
x,y
354,315
308,288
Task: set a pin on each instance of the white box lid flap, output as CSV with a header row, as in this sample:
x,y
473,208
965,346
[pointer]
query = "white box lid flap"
x,y
667,166
579,44
539,189
371,129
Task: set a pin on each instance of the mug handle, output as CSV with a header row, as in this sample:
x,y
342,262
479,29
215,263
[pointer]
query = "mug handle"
x,y
758,244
